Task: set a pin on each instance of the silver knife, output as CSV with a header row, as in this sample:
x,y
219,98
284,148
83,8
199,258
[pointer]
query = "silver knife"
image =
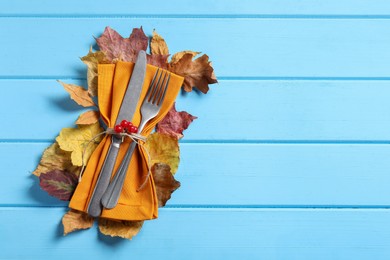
x,y
126,112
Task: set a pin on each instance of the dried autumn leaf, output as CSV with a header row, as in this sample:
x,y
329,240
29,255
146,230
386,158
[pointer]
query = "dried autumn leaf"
x,y
115,47
158,45
59,184
92,59
74,220
197,73
164,182
55,158
163,148
177,56
78,94
89,117
174,123
77,140
158,60
123,229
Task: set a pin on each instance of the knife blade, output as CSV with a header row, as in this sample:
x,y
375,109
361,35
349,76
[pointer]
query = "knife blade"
x,y
126,112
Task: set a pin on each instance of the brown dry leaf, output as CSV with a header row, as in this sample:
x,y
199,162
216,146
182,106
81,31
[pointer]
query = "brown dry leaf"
x,y
74,220
197,73
89,117
164,181
177,56
54,158
163,148
158,45
115,47
123,229
92,59
78,94
79,140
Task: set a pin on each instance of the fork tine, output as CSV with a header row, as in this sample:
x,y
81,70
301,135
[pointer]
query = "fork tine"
x,y
149,93
160,90
165,90
155,89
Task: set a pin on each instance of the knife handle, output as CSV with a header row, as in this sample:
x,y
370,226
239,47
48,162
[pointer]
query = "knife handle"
x,y
95,207
112,193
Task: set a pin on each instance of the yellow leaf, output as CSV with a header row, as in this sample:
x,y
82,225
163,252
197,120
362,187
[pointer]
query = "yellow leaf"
x,y
177,56
74,220
92,59
89,117
78,94
78,140
163,148
54,158
123,229
158,45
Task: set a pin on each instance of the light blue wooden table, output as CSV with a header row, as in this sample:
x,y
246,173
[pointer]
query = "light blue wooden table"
x,y
290,156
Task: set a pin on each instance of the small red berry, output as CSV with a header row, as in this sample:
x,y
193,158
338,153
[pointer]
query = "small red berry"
x,y
126,124
133,129
118,129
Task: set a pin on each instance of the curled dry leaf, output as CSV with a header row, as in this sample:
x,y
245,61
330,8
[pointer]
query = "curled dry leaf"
x,y
59,184
74,220
115,47
164,182
54,158
77,140
89,117
177,56
163,148
197,73
174,123
123,229
158,45
78,94
92,59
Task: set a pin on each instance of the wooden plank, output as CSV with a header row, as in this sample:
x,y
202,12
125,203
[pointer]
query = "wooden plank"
x,y
258,175
233,110
201,7
205,234
254,48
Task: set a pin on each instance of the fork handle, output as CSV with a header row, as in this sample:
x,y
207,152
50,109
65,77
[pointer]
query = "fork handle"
x,y
111,196
95,207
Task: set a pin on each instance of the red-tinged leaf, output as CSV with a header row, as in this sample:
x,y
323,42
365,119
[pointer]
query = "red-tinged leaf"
x,y
115,47
174,123
138,40
58,183
158,60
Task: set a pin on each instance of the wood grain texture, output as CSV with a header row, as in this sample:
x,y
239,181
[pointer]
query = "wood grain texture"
x,y
257,175
289,158
206,234
265,48
274,111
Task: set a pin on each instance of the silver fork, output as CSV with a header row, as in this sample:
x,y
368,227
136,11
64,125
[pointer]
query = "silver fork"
x,y
149,109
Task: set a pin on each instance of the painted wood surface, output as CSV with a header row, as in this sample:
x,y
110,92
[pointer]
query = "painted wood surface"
x,y
289,158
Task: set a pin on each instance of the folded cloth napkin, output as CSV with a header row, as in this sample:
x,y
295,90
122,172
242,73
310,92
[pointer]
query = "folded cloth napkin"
x,y
132,204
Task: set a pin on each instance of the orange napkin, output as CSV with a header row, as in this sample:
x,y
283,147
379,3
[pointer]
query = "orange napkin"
x,y
132,205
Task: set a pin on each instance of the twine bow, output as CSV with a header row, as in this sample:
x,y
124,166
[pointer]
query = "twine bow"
x,y
137,138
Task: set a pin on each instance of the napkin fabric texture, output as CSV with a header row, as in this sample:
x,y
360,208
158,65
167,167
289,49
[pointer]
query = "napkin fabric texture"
x,y
112,84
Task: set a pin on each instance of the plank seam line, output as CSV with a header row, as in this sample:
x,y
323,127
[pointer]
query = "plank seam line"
x,y
227,142
196,16
229,207
222,78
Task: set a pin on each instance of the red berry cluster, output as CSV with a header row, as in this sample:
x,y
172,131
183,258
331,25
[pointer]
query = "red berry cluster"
x,y
126,126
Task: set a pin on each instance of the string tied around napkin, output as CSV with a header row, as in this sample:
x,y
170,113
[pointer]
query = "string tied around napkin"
x,y
137,138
